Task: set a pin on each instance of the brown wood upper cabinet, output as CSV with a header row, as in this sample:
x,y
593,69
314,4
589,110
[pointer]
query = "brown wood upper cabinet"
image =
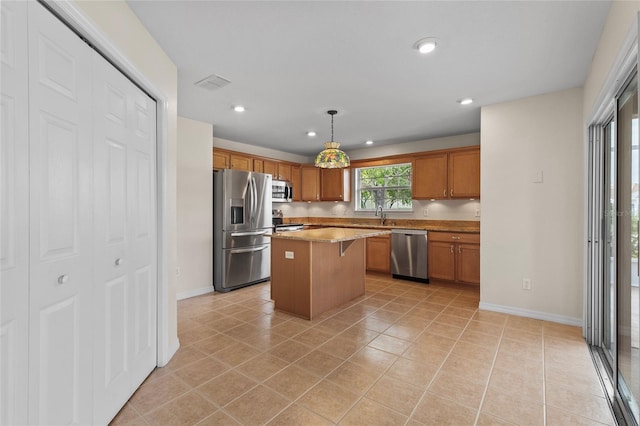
x,y
454,257
220,160
241,162
446,175
335,185
310,190
296,182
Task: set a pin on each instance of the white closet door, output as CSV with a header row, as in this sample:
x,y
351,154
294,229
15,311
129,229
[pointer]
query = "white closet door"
x,y
14,218
143,234
125,247
61,243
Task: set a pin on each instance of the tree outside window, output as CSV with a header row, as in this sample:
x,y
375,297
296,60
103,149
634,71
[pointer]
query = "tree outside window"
x,y
386,186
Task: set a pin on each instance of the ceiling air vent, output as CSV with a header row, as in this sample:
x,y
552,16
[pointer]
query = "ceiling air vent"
x,y
213,82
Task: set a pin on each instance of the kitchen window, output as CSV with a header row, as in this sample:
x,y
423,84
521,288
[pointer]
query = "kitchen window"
x,y
386,186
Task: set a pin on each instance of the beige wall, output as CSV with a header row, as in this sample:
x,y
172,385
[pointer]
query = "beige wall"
x,y
195,208
533,230
116,20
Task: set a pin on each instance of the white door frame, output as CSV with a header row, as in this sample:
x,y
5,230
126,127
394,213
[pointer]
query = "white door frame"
x,y
79,21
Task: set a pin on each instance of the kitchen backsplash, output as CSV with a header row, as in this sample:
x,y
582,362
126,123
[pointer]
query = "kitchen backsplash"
x,y
436,210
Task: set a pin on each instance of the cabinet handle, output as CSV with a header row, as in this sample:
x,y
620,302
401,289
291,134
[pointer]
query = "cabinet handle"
x,y
444,192
459,250
455,237
119,261
451,193
451,248
62,279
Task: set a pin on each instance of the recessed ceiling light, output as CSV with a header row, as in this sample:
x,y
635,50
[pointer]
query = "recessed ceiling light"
x,y
311,133
465,101
369,142
238,108
426,45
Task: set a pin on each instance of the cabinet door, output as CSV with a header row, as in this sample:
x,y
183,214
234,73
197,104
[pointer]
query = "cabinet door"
x,y
258,166
240,162
296,182
220,160
270,167
442,264
334,185
378,254
464,174
310,183
430,177
468,263
284,172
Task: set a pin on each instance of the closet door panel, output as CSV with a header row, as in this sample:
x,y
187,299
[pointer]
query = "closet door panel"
x,y
61,297
14,217
143,233
125,316
112,360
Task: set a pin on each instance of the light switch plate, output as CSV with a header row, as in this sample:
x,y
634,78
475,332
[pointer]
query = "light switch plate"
x,y
538,177
288,255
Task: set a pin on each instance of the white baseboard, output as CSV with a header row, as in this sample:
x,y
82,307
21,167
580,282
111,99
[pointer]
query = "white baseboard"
x,y
194,293
173,348
531,314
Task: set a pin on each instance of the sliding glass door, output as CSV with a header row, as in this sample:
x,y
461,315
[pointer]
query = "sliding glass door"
x,y
628,332
613,323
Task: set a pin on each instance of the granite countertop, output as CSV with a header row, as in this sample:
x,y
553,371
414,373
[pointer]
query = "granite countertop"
x,y
430,227
331,235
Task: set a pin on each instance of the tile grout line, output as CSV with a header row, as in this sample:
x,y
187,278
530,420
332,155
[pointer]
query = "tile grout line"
x,y
493,363
426,390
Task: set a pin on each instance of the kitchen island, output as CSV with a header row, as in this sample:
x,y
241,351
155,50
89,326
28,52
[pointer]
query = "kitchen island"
x,y
316,270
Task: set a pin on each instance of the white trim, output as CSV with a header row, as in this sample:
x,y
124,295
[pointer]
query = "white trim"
x,y
193,293
626,59
70,13
528,313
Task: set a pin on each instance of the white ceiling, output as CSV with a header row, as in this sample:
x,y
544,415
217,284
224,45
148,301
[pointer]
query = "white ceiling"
x,y
291,61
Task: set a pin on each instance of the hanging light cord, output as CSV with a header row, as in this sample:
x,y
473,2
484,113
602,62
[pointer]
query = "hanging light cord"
x,y
331,127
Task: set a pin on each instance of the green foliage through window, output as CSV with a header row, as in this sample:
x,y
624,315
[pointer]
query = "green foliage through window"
x,y
386,186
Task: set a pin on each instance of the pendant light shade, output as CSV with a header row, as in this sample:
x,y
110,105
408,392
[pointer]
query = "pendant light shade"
x,y
332,157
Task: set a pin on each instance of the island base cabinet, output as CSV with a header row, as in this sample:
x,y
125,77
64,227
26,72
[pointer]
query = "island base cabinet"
x,y
454,257
309,278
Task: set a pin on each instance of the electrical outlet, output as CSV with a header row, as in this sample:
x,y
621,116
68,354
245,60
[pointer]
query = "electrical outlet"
x,y
477,213
288,255
178,271
526,284
425,212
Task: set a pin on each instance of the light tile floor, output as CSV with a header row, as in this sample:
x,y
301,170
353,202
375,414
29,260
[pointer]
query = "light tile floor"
x,y
404,354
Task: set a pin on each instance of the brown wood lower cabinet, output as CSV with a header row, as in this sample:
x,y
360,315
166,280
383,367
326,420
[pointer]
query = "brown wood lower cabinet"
x,y
379,254
454,257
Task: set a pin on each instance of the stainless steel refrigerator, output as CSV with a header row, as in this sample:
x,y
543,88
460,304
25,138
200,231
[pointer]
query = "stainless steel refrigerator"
x,y
241,228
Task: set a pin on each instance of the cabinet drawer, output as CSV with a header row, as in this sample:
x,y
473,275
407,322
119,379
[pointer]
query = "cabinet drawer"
x,y
455,237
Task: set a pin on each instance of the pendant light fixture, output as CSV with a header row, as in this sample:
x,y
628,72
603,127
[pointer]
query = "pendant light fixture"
x,y
332,157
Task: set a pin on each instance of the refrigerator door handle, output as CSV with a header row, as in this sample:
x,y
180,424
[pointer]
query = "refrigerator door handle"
x,y
248,250
248,233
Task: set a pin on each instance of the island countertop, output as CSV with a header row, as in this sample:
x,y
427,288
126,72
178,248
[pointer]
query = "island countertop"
x,y
331,235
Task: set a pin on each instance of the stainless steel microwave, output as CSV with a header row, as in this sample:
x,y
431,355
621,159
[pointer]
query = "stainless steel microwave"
x,y
281,191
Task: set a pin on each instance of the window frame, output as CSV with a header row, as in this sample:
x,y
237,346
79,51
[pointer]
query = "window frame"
x,y
358,187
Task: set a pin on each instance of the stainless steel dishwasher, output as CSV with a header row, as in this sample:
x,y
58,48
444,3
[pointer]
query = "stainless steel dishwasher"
x,y
409,254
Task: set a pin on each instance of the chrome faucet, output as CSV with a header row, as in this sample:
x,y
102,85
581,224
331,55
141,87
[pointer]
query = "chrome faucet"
x,y
383,216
